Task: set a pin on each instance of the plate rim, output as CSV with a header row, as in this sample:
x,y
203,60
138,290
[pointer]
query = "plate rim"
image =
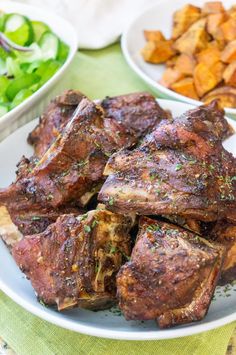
x,y
159,334
154,84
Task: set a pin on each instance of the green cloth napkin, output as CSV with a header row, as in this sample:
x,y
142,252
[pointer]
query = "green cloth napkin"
x,y
97,74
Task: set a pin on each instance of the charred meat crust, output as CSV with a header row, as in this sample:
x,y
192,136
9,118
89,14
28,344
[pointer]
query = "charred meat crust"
x,y
70,172
75,260
181,168
171,276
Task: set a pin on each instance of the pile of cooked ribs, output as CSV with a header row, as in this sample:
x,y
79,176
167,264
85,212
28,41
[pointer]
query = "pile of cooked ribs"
x,y
121,202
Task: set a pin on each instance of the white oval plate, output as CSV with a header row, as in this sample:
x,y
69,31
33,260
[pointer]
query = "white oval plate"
x,y
104,323
158,17
66,32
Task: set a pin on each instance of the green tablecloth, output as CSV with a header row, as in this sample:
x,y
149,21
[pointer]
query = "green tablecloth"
x,y
97,74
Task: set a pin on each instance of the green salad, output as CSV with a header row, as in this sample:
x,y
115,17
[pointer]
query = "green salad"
x,y
30,54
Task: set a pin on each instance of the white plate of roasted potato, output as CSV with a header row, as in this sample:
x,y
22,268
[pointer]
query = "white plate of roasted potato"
x,y
158,232
186,50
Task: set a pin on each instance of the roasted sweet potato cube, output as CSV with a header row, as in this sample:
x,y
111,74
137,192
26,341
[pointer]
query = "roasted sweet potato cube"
x,y
194,40
185,87
213,7
229,74
228,29
154,35
204,79
229,53
214,21
225,95
185,64
157,52
232,12
213,44
184,18
232,9
208,56
170,76
172,61
218,69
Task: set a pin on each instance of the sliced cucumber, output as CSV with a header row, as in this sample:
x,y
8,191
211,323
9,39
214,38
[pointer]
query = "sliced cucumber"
x,y
13,22
33,66
29,57
47,70
3,67
13,67
20,97
19,29
62,52
2,21
18,84
39,29
3,109
4,82
49,44
3,54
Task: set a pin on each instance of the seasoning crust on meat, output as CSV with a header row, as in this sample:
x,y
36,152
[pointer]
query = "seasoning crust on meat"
x,y
171,276
75,260
181,168
71,170
168,189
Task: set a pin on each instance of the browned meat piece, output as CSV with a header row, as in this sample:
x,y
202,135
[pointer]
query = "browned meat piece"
x,y
199,227
138,112
71,171
225,234
181,168
35,219
51,123
29,216
74,262
171,276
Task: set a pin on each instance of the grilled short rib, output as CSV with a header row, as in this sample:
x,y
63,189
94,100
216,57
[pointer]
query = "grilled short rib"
x,y
71,171
171,276
181,168
52,121
138,112
225,234
75,260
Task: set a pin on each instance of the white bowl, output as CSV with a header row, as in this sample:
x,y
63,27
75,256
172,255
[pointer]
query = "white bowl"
x,y
31,108
104,323
158,17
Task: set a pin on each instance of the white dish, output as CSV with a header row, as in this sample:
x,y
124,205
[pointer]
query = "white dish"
x,y
104,323
16,117
158,17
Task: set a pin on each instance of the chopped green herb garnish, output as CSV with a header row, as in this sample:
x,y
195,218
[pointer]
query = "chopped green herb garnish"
x,y
49,197
98,145
108,154
87,229
65,173
42,303
35,218
153,176
153,228
111,201
94,223
211,167
113,249
178,167
82,218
